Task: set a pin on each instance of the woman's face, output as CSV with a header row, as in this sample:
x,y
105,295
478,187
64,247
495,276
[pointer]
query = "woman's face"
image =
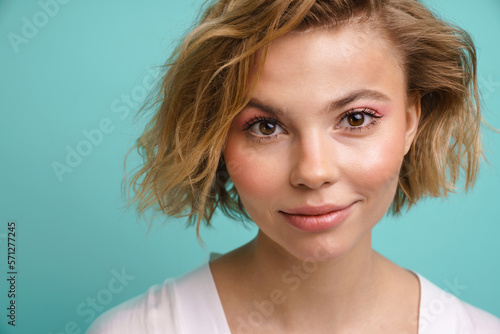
x,y
326,131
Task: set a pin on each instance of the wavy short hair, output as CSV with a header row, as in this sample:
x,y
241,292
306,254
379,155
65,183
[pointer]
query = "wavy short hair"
x,y
206,83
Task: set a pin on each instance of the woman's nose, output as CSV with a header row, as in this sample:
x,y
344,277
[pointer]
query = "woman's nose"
x,y
314,163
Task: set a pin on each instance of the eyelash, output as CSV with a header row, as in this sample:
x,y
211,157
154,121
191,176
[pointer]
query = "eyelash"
x,y
364,111
258,119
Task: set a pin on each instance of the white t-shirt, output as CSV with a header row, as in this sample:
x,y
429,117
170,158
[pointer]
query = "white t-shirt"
x,y
191,305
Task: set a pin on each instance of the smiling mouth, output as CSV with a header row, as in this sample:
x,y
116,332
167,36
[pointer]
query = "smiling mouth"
x,y
316,219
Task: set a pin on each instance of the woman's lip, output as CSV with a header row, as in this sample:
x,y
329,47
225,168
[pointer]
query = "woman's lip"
x,y
315,210
317,222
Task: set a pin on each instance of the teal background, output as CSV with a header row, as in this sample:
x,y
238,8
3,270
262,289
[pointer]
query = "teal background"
x,y
73,236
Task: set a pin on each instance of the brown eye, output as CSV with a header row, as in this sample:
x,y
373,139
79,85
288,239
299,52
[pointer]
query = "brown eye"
x,y
263,128
267,128
356,119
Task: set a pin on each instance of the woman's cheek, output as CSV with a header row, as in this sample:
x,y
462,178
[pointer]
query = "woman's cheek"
x,y
254,172
379,165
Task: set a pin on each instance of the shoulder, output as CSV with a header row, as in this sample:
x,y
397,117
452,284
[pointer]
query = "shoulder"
x,y
442,312
145,313
479,320
184,305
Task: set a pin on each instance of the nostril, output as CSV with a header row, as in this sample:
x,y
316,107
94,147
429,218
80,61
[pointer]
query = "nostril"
x,y
312,179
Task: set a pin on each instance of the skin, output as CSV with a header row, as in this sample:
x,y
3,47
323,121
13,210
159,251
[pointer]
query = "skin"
x,y
309,154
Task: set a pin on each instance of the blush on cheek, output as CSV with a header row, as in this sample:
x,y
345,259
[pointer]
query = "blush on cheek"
x,y
381,165
390,165
252,168
252,177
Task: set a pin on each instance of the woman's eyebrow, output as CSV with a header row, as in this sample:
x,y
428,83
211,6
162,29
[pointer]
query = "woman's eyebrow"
x,y
358,95
334,105
264,107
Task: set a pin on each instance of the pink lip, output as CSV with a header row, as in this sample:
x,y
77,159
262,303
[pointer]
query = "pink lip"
x,y
314,219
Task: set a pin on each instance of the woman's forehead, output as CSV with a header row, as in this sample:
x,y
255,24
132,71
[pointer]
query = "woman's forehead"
x,y
330,62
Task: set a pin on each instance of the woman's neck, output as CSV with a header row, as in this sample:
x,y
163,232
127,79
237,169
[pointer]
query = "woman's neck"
x,y
279,289
332,289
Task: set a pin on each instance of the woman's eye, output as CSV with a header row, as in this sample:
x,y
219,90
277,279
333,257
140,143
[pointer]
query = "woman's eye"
x,y
264,127
358,119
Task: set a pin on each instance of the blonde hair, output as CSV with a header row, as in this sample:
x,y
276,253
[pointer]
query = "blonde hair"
x,y
207,83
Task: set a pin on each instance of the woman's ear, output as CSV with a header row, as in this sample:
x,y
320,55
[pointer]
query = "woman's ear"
x,y
413,112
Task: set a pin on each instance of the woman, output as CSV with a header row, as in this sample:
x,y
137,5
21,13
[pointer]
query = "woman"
x,y
312,119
